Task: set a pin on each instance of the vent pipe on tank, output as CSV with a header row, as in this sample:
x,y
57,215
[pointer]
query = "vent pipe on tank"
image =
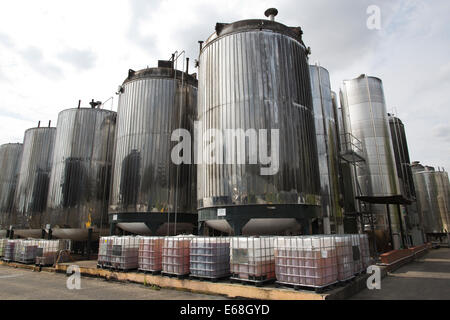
x,y
39,124
79,104
49,123
271,13
187,65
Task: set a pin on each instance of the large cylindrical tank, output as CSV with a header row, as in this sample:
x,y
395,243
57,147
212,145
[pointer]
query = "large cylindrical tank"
x,y
326,126
32,184
433,199
10,156
254,76
149,190
365,117
401,153
80,176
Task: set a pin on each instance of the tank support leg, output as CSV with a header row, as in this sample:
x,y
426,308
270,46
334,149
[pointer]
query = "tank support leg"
x,y
112,229
7,234
237,225
305,226
49,234
11,234
401,226
201,228
89,243
390,226
43,233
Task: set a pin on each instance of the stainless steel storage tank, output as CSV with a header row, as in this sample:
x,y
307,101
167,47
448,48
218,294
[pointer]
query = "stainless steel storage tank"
x,y
365,117
403,163
433,199
32,184
254,76
327,133
10,155
150,193
401,153
80,176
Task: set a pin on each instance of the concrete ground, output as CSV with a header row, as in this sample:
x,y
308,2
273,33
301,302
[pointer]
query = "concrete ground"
x,y
22,284
427,278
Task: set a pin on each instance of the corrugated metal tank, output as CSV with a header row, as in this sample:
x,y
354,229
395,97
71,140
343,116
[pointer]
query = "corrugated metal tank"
x,y
80,176
10,155
405,177
254,74
149,191
32,184
327,149
401,153
433,198
365,117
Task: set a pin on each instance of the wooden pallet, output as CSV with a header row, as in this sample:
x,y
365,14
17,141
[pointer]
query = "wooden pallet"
x,y
299,287
211,279
252,280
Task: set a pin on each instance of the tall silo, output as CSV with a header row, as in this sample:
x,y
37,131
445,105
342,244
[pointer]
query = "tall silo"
x,y
152,194
405,177
401,154
33,181
254,83
365,117
81,171
10,155
433,199
326,125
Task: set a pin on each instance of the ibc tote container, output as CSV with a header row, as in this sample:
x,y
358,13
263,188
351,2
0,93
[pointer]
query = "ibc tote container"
x,y
49,250
25,251
105,251
125,251
176,255
9,250
357,254
344,249
3,243
150,253
309,261
252,259
210,257
365,251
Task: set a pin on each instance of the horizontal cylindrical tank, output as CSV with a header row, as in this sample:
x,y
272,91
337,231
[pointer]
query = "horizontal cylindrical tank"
x,y
327,149
32,183
10,156
365,117
150,191
80,176
254,83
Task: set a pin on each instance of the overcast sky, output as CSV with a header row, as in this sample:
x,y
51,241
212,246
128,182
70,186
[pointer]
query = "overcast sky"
x,y
53,53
